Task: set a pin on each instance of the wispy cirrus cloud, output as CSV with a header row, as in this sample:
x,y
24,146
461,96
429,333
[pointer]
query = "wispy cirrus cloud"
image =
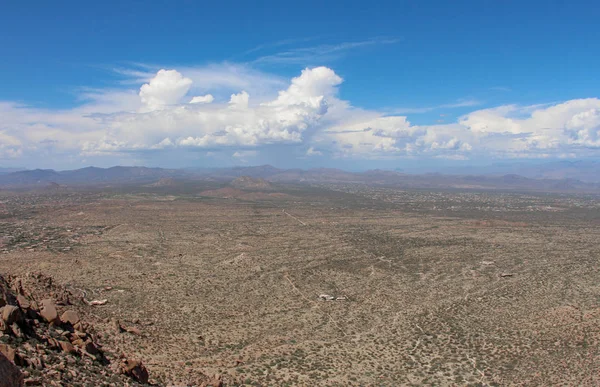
x,y
279,43
426,109
320,53
501,88
133,76
461,103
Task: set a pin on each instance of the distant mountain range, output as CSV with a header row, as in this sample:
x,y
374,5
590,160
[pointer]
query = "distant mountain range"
x,y
89,175
547,180
584,170
4,171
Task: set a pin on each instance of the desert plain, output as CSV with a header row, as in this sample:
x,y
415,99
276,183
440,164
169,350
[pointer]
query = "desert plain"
x,y
270,284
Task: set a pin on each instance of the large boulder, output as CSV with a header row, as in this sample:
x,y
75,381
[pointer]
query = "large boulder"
x,y
136,370
10,376
9,352
67,347
70,316
23,301
11,314
48,310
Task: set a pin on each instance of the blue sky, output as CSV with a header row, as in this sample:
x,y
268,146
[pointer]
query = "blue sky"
x,y
377,84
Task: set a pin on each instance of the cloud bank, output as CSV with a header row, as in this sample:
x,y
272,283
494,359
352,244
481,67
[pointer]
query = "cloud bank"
x,y
189,109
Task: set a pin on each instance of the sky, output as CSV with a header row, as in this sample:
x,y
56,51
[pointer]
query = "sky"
x,y
348,84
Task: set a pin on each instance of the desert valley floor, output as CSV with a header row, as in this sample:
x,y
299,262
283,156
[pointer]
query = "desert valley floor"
x,y
439,288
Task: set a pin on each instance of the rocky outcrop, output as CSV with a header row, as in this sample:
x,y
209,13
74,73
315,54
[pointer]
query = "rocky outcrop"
x,y
10,375
136,370
70,316
37,347
48,311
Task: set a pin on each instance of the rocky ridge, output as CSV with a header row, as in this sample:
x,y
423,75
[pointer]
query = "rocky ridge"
x,y
45,341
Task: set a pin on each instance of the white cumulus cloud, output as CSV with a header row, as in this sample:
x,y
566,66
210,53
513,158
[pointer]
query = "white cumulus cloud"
x,y
203,99
505,131
239,100
173,109
237,123
313,152
168,87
